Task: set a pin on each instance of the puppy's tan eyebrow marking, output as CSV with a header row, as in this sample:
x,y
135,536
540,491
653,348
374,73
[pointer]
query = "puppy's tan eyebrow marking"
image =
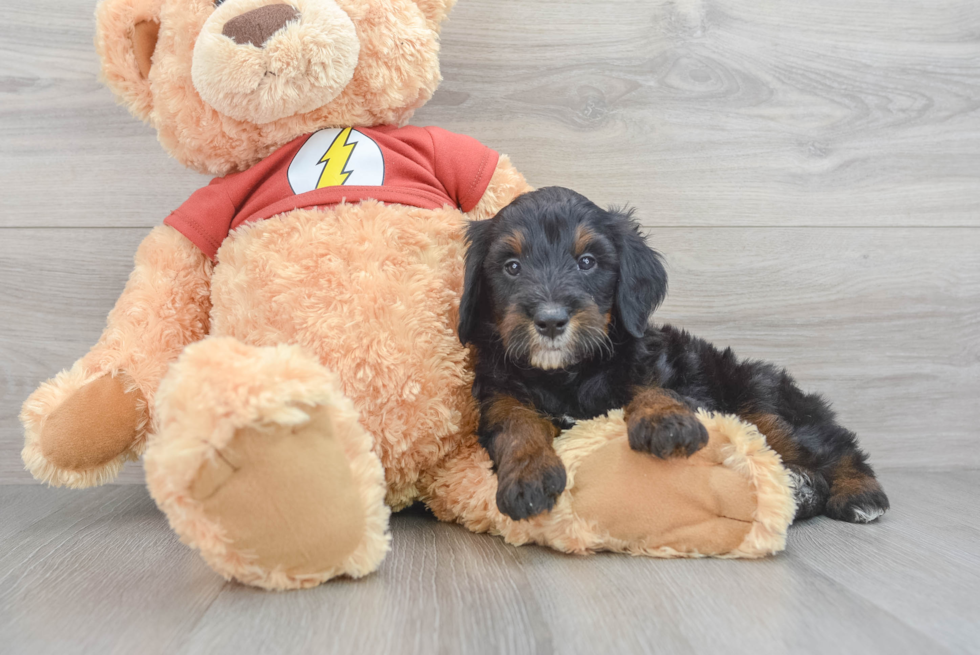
x,y
516,242
584,236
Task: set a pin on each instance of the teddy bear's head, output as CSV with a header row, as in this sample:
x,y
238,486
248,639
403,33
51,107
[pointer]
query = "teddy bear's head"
x,y
225,82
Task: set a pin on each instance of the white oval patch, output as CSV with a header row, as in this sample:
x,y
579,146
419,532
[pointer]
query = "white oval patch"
x,y
336,157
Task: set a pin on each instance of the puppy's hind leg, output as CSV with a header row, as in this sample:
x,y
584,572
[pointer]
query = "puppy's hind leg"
x,y
855,494
830,474
831,450
810,490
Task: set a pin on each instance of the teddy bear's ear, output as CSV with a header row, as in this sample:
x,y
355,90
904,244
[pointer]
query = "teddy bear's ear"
x,y
435,11
126,36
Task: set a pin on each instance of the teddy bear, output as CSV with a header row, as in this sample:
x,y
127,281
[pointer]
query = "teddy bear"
x,y
284,353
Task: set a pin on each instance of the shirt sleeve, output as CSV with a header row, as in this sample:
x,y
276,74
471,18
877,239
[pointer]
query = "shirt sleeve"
x,y
205,218
463,165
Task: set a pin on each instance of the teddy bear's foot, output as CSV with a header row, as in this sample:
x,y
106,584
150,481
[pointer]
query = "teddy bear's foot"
x,y
732,498
285,499
80,429
260,463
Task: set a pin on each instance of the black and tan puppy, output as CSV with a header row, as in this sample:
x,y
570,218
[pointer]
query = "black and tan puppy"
x,y
557,301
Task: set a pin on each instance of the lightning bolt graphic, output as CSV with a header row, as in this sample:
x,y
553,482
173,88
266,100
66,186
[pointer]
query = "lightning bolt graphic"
x,y
336,158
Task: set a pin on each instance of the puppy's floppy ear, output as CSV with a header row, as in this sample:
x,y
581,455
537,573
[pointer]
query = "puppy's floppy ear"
x,y
478,237
642,283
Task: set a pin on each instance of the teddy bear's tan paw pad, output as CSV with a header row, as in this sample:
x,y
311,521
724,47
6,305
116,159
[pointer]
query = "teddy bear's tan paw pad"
x,y
284,496
93,426
685,505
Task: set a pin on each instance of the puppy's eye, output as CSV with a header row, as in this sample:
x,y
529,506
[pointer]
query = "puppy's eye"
x,y
585,262
218,3
513,267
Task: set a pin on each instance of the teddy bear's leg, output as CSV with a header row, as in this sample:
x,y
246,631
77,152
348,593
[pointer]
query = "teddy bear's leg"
x,y
259,461
733,498
82,425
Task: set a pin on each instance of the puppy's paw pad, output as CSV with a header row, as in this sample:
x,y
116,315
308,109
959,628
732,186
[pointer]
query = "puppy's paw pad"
x,y
676,435
867,513
863,507
531,491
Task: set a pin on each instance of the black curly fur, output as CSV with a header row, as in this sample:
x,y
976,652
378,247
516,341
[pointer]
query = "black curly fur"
x,y
607,371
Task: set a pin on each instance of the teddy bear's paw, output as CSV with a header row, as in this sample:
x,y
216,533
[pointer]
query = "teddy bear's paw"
x,y
285,499
731,498
664,506
259,462
81,430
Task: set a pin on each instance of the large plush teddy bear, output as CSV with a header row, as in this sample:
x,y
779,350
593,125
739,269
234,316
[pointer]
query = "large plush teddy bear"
x,y
285,348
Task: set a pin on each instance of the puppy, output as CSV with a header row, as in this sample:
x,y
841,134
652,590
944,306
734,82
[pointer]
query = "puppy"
x,y
557,299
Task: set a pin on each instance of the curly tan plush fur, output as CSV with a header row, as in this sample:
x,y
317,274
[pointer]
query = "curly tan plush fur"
x,y
292,395
220,388
367,289
397,72
163,308
738,461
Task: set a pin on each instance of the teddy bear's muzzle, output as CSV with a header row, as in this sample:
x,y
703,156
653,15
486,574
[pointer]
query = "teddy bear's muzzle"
x,y
258,61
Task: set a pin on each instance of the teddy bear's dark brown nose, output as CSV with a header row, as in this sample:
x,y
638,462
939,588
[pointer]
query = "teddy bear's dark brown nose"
x,y
257,26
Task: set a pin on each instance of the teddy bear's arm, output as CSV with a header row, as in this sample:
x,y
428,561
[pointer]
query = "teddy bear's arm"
x,y
163,308
506,184
83,424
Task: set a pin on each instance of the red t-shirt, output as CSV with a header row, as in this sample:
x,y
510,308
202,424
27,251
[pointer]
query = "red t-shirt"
x,y
425,167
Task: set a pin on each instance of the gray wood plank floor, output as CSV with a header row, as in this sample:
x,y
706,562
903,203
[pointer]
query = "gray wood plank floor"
x,y
100,571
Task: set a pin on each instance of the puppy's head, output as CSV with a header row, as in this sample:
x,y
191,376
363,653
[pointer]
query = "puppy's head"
x,y
553,275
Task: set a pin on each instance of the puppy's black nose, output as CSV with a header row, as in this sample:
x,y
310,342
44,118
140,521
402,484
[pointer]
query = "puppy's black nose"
x,y
551,320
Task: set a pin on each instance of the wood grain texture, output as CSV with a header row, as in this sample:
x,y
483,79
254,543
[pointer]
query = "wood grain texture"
x,y
100,569
715,112
863,316
96,572
68,154
936,592
811,171
711,117
702,112
59,285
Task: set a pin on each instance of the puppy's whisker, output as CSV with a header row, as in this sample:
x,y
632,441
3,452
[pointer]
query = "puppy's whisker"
x,y
517,346
595,342
605,342
587,344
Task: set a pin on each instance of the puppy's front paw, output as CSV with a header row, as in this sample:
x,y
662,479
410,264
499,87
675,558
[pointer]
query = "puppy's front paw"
x,y
667,436
526,489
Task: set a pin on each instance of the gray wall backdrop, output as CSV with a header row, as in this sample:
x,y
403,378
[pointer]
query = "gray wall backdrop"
x,y
811,171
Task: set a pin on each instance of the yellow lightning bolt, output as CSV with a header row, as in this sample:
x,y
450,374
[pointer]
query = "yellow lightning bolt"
x,y
336,158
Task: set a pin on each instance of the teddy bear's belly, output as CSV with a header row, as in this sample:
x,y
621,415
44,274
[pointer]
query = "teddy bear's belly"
x,y
373,292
